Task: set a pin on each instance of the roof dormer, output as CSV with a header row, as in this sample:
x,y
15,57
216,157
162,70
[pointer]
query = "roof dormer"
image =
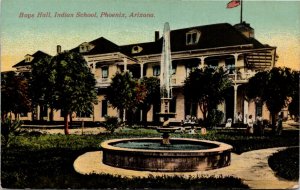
x,y
192,37
28,58
136,49
85,47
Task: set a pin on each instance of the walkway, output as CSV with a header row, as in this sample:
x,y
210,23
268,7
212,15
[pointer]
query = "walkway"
x,y
252,167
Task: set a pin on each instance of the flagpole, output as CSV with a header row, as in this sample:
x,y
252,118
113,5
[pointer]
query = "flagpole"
x,y
241,11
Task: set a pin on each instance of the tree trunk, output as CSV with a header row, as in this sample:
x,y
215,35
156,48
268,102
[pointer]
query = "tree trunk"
x,y
71,120
273,117
66,125
144,116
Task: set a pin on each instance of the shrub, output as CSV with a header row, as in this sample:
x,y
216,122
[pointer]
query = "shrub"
x,y
10,129
286,163
111,123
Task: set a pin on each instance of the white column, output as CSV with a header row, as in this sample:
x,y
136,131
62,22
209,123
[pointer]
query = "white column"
x,y
235,86
124,115
235,65
245,111
201,65
38,112
142,69
125,64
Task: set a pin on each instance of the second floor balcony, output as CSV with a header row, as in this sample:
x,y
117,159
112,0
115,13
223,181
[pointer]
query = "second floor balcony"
x,y
242,77
103,82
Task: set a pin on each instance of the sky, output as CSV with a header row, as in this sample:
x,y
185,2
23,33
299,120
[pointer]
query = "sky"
x,y
276,23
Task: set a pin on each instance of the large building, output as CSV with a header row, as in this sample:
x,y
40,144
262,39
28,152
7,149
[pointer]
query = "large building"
x,y
232,47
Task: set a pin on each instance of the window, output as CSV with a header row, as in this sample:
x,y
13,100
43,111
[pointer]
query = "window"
x,y
27,59
258,110
174,67
44,111
104,108
156,70
173,105
104,72
83,114
192,37
136,49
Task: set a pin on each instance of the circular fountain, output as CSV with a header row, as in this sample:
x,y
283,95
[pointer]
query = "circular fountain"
x,y
166,154
183,155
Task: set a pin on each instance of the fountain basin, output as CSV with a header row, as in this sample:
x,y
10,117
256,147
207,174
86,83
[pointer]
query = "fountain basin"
x,y
195,155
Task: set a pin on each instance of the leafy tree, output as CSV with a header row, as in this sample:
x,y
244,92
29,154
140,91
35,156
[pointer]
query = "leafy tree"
x,y
14,94
294,104
42,85
74,85
124,93
207,88
272,88
152,89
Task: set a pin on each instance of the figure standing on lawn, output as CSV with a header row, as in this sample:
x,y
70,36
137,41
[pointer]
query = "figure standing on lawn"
x,y
250,125
239,119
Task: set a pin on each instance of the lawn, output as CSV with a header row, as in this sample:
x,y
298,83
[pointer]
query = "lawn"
x,y
46,161
286,163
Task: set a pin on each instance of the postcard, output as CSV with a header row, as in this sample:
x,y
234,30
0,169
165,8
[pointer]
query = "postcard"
x,y
150,94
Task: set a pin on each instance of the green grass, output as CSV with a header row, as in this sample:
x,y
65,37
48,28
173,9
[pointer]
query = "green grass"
x,y
286,163
46,161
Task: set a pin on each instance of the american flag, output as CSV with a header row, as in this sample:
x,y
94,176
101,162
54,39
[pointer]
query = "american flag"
x,y
233,3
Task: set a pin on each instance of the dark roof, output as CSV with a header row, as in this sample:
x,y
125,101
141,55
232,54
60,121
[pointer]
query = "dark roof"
x,y
212,36
36,57
148,48
256,43
102,45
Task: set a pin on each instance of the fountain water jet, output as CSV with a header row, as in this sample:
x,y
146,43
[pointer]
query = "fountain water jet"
x,y
165,87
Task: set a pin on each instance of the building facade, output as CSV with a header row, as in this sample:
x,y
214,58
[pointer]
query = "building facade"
x,y
219,45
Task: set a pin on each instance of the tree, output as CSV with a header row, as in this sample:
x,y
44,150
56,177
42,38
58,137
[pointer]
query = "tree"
x,y
42,85
294,104
152,86
207,88
74,85
272,88
15,94
124,93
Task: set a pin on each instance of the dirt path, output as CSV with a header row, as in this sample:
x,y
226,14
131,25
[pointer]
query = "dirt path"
x,y
252,167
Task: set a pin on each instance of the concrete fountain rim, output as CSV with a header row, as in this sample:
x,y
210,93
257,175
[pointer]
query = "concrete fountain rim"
x,y
221,147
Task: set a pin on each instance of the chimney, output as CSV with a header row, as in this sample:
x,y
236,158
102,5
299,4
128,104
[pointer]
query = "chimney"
x,y
58,49
245,29
156,35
